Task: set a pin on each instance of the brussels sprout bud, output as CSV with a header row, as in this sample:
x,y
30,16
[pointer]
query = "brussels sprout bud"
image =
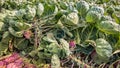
x,y
97,9
70,19
82,7
20,13
30,12
92,17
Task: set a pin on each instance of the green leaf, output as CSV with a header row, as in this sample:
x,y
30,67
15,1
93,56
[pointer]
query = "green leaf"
x,y
21,44
2,16
117,45
97,59
93,16
105,1
49,9
3,48
66,30
106,17
97,9
6,37
53,48
1,25
116,16
30,12
22,25
71,8
15,33
41,55
103,49
65,46
20,13
55,61
40,9
82,7
2,2
109,27
63,5
50,38
36,51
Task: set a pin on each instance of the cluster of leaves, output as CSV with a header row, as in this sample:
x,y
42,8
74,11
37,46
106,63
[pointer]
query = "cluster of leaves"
x,y
62,33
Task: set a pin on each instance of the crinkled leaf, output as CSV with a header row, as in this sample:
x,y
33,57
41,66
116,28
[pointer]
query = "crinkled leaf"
x,y
97,59
71,8
103,49
55,61
65,46
97,9
109,27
